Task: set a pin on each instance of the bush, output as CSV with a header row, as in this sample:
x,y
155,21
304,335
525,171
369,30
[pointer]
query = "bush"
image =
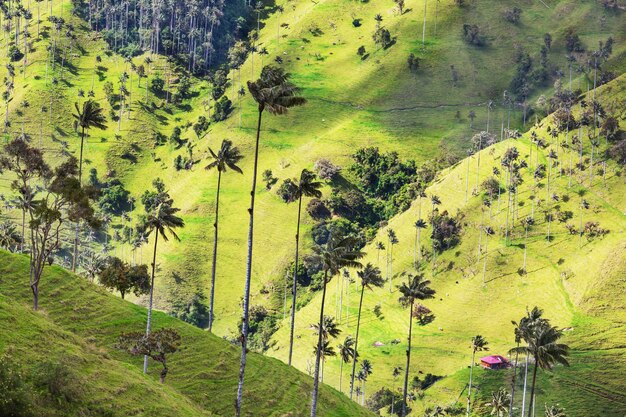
x,y
618,152
14,393
287,191
56,380
14,53
223,107
326,170
317,209
194,312
472,35
446,231
114,199
491,186
513,15
157,84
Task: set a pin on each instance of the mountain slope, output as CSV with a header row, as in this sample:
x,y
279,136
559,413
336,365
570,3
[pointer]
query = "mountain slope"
x,y
576,281
203,374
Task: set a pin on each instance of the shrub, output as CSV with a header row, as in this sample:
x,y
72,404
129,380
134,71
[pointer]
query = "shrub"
x,y
57,381
326,170
114,198
513,15
14,394
157,84
287,190
472,35
14,53
317,209
618,152
193,312
446,231
222,109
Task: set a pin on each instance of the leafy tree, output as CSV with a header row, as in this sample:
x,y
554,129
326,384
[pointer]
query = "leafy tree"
x,y
119,275
478,344
416,288
370,278
336,254
306,186
326,170
160,219
222,109
226,158
275,93
62,200
157,345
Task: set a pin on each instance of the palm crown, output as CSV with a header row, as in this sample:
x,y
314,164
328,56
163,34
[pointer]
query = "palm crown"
x,y
417,288
346,349
163,219
226,158
338,253
371,277
273,91
543,345
90,115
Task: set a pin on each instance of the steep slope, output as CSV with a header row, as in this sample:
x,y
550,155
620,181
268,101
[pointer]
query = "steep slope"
x,y
577,281
376,101
82,321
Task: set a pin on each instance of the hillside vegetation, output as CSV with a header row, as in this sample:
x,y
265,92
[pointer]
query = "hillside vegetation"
x,y
79,325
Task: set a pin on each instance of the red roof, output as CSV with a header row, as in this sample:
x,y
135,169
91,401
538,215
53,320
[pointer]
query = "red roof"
x,y
494,359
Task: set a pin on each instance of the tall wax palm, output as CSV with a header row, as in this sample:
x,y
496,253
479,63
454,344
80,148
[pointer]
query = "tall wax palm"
x,y
272,92
397,370
366,370
525,325
336,254
161,220
379,246
347,353
478,344
306,186
226,158
370,277
330,329
518,341
543,346
416,288
89,116
417,253
392,239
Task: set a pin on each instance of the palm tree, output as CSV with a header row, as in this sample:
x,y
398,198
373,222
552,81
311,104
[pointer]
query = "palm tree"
x,y
392,240
379,246
500,401
226,158
416,288
91,115
336,254
346,354
329,329
397,370
307,186
161,220
488,232
272,92
543,346
366,370
555,411
478,344
417,253
370,277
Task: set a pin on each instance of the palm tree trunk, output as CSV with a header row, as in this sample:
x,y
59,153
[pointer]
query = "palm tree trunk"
x,y
356,341
213,268
532,390
80,175
408,362
424,27
246,297
294,288
340,374
156,239
525,384
318,352
513,383
469,389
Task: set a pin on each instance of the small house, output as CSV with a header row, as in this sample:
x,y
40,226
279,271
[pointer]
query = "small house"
x,y
495,362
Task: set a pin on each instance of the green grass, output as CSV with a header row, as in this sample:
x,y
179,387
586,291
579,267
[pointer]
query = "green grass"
x,y
80,321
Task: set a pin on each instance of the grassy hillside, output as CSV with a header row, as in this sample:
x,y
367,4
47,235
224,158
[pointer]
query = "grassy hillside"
x,y
576,281
79,323
352,103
